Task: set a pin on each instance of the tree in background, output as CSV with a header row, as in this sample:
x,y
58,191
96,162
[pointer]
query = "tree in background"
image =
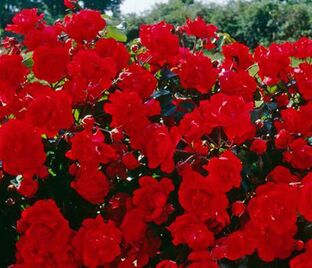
x,y
174,12
52,8
250,22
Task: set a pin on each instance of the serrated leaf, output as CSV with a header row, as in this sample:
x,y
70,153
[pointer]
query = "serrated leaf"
x,y
28,60
115,33
253,70
105,16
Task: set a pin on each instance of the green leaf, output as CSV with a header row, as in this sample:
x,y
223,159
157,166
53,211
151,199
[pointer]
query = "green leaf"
x,y
272,89
253,69
105,16
76,114
28,60
113,32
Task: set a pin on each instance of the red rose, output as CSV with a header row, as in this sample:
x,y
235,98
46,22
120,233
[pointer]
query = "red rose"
x,y
94,72
70,3
106,121
224,172
188,229
130,114
47,36
303,48
21,149
12,70
273,218
160,145
84,25
12,74
238,83
282,174
282,139
97,243
238,208
234,246
25,20
197,72
282,100
91,184
219,222
133,226
167,264
202,259
139,80
50,63
160,41
303,260
258,146
130,161
193,125
197,196
94,150
237,56
297,121
110,48
51,113
141,252
303,77
271,245
28,187
273,62
152,197
233,114
300,155
278,215
128,111
117,207
200,29
305,198
45,237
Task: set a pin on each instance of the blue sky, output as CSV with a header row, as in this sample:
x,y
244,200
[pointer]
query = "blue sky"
x,y
137,6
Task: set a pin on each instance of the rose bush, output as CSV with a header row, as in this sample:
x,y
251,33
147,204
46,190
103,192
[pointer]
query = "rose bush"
x,y
152,154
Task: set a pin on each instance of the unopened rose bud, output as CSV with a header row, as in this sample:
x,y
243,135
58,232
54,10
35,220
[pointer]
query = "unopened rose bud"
x,y
238,208
299,245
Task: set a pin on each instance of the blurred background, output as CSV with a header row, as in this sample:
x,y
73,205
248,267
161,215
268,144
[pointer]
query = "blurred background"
x,y
252,22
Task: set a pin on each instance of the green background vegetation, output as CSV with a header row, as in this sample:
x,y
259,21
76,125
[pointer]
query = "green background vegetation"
x,y
251,22
52,9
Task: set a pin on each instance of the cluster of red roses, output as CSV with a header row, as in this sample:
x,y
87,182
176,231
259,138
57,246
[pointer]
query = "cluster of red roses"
x,y
188,161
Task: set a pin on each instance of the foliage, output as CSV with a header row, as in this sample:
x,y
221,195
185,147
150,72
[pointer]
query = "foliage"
x,y
249,22
152,154
53,9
